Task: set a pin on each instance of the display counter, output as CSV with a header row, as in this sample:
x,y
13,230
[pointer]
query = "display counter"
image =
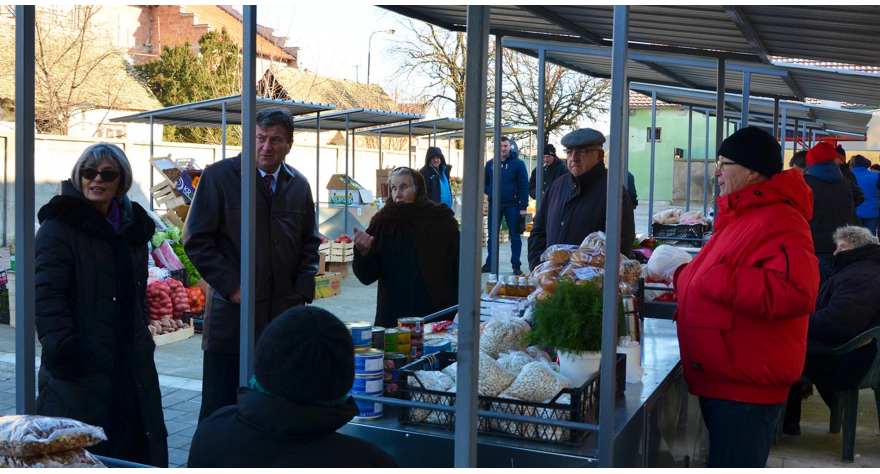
x,y
331,219
657,424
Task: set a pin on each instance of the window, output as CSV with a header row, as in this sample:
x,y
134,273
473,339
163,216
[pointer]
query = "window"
x,y
657,131
112,131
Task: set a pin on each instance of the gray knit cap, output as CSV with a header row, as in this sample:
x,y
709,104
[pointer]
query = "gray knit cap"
x,y
583,137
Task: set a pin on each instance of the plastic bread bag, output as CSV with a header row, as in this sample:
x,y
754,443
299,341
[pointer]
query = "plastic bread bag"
x,y
538,354
503,333
669,216
33,435
593,256
547,267
569,271
74,458
558,253
664,261
431,380
630,272
596,239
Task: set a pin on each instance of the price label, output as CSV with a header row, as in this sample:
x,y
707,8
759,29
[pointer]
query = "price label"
x,y
588,273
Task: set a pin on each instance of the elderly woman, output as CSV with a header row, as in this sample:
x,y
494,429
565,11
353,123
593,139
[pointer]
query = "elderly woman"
x,y
411,248
91,278
744,301
848,305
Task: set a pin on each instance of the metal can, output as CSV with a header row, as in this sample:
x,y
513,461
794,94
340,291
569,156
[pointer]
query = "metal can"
x,y
391,336
394,360
417,338
369,410
379,346
392,375
361,333
417,351
369,362
403,336
391,347
392,389
413,324
404,348
433,346
378,335
367,385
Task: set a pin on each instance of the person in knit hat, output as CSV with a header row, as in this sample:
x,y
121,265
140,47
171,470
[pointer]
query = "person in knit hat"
x,y
744,300
554,168
869,182
832,203
296,401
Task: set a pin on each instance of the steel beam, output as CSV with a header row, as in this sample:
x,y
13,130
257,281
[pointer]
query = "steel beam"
x,y
719,119
223,145
152,176
706,171
795,146
471,242
409,152
25,210
318,170
539,169
249,175
741,20
784,131
747,82
793,85
666,72
776,118
613,220
653,149
581,32
408,12
345,197
687,206
495,201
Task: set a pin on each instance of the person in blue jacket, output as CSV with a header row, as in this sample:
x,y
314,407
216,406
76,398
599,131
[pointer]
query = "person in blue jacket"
x,y
869,181
437,173
514,202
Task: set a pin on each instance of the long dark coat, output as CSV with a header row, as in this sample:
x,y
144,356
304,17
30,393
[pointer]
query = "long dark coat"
x,y
287,247
573,208
97,354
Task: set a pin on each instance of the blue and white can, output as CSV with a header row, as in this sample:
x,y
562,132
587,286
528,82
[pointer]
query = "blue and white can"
x,y
361,333
368,385
369,362
369,410
433,346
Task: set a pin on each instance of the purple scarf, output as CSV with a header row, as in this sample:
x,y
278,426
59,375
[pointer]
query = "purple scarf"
x,y
113,215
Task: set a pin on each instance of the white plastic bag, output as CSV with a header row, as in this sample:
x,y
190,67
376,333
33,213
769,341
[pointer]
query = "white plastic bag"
x,y
432,380
664,261
34,435
493,379
537,382
669,216
503,333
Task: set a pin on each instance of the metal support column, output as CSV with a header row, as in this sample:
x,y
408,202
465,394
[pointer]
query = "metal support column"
x,y
613,219
380,156
495,199
795,136
784,130
345,196
248,196
353,152
813,140
318,171
471,241
542,85
223,147
409,153
776,118
804,135
25,210
719,120
745,102
706,171
435,134
687,206
653,150
152,176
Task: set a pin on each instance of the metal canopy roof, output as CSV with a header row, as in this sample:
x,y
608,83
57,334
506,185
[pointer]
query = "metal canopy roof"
x,y
822,33
209,113
490,131
357,118
424,127
835,84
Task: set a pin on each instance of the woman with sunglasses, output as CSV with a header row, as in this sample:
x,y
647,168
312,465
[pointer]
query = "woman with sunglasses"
x,y
91,277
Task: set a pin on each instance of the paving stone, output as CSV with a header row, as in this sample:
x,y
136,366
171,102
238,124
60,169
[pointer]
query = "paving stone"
x,y
188,432
178,441
172,414
176,427
191,418
177,457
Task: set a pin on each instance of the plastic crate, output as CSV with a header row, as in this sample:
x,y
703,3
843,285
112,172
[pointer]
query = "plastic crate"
x,y
584,407
194,319
4,306
669,232
181,276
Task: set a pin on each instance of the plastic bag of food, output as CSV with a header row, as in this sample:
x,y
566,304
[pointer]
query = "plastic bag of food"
x,y
669,216
550,432
503,333
538,294
75,458
537,382
569,271
493,379
517,428
33,435
432,380
547,267
165,257
514,361
440,417
538,354
588,273
664,261
630,272
155,274
558,253
451,371
596,239
593,256
693,218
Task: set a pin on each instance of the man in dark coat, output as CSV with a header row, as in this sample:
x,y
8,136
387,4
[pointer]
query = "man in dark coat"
x,y
554,168
514,202
437,174
832,203
846,171
574,206
97,360
287,250
297,400
848,305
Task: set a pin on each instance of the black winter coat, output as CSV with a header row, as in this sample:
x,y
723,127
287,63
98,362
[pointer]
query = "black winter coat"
x,y
832,205
849,301
432,180
287,247
573,209
556,170
858,194
97,353
268,431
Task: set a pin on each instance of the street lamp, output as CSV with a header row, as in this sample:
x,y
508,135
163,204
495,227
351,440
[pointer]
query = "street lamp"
x,y
369,45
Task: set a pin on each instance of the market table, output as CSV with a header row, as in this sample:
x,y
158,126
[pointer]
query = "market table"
x,y
657,424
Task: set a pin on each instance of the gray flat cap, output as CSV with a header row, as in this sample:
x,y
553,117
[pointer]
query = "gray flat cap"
x,y
583,137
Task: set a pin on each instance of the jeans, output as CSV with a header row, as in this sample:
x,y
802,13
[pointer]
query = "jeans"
x,y
740,434
870,224
511,215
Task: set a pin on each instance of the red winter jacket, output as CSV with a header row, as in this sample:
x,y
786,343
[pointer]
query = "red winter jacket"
x,y
744,301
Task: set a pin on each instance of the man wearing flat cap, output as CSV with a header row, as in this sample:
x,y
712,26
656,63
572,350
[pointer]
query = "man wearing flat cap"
x,y
744,301
574,206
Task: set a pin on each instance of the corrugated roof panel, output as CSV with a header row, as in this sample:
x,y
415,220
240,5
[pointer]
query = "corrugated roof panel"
x,y
357,118
421,128
209,113
841,86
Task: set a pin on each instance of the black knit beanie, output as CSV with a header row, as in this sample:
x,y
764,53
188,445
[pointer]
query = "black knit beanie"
x,y
754,149
305,354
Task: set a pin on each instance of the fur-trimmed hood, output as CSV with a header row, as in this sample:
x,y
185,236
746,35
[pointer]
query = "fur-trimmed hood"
x,y
74,210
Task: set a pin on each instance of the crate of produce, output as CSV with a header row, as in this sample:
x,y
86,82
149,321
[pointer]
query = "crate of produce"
x,y
181,276
670,232
583,406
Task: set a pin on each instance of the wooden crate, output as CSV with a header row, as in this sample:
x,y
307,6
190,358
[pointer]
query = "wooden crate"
x,y
176,216
175,336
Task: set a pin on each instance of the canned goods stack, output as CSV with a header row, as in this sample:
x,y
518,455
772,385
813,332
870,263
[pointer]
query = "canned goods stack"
x,y
393,362
368,369
361,334
416,327
379,338
403,342
391,340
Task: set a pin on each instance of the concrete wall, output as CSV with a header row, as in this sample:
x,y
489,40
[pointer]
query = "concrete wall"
x,y
56,155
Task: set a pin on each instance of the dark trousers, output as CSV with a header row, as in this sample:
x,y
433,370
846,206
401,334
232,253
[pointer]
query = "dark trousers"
x,y
740,434
511,215
219,382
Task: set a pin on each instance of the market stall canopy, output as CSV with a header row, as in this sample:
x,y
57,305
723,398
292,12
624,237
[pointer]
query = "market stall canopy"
x,y
356,118
209,113
847,120
490,131
841,33
421,128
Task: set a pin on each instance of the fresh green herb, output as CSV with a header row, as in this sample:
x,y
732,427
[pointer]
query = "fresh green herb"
x,y
191,272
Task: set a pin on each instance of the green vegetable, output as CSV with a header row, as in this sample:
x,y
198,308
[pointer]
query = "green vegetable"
x,y
173,234
157,239
191,271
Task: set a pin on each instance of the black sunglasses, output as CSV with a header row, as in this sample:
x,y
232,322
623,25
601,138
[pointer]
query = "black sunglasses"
x,y
107,175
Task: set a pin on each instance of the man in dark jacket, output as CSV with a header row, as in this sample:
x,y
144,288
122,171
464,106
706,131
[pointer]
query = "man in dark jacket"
x,y
858,194
287,249
437,174
297,400
514,202
832,203
554,168
574,206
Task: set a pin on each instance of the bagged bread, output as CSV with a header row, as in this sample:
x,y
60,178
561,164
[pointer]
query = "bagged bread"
x,y
593,256
33,435
630,272
558,253
74,458
669,216
596,239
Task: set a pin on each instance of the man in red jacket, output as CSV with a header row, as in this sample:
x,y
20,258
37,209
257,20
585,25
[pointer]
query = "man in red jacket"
x,y
744,301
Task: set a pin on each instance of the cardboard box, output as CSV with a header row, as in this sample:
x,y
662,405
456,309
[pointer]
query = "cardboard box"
x,y
185,185
382,178
340,268
354,193
327,285
322,261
